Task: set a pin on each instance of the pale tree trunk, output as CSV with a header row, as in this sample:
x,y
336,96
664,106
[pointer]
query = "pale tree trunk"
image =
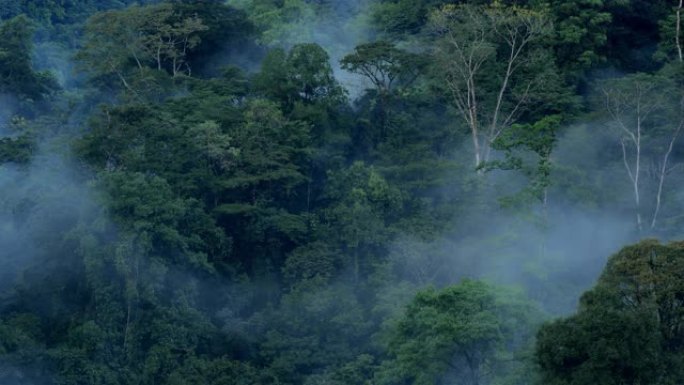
x,y
468,47
637,165
461,62
476,148
634,171
634,137
634,178
496,128
466,100
545,222
678,30
642,105
663,173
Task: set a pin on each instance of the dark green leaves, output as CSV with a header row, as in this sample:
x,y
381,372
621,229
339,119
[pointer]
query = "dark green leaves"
x,y
628,328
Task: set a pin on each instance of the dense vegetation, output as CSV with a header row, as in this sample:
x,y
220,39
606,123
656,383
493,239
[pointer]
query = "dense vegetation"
x,y
341,192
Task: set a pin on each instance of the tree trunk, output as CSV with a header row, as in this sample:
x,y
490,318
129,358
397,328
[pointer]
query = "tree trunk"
x,y
678,30
663,173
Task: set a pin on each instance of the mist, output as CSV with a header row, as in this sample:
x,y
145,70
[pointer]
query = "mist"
x,y
175,226
338,30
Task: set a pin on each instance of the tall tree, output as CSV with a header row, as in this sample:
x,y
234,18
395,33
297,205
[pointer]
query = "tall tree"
x,y
492,61
646,112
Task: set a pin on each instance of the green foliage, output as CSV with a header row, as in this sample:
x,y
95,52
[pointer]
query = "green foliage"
x,y
313,330
279,223
627,328
280,22
303,75
383,64
521,141
222,371
581,33
640,20
399,17
286,23
226,27
468,333
17,75
136,46
16,150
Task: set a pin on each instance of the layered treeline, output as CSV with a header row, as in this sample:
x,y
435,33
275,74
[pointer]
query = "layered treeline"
x,y
196,199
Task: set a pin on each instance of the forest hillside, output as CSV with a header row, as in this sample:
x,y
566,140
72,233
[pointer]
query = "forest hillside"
x,y
309,192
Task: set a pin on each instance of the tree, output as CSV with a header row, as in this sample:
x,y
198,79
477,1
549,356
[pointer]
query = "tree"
x,y
227,28
517,143
281,23
361,204
628,329
386,67
671,45
262,198
397,18
646,113
214,145
492,61
17,76
301,76
634,34
312,75
316,327
580,33
131,42
463,334
10,9
383,65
